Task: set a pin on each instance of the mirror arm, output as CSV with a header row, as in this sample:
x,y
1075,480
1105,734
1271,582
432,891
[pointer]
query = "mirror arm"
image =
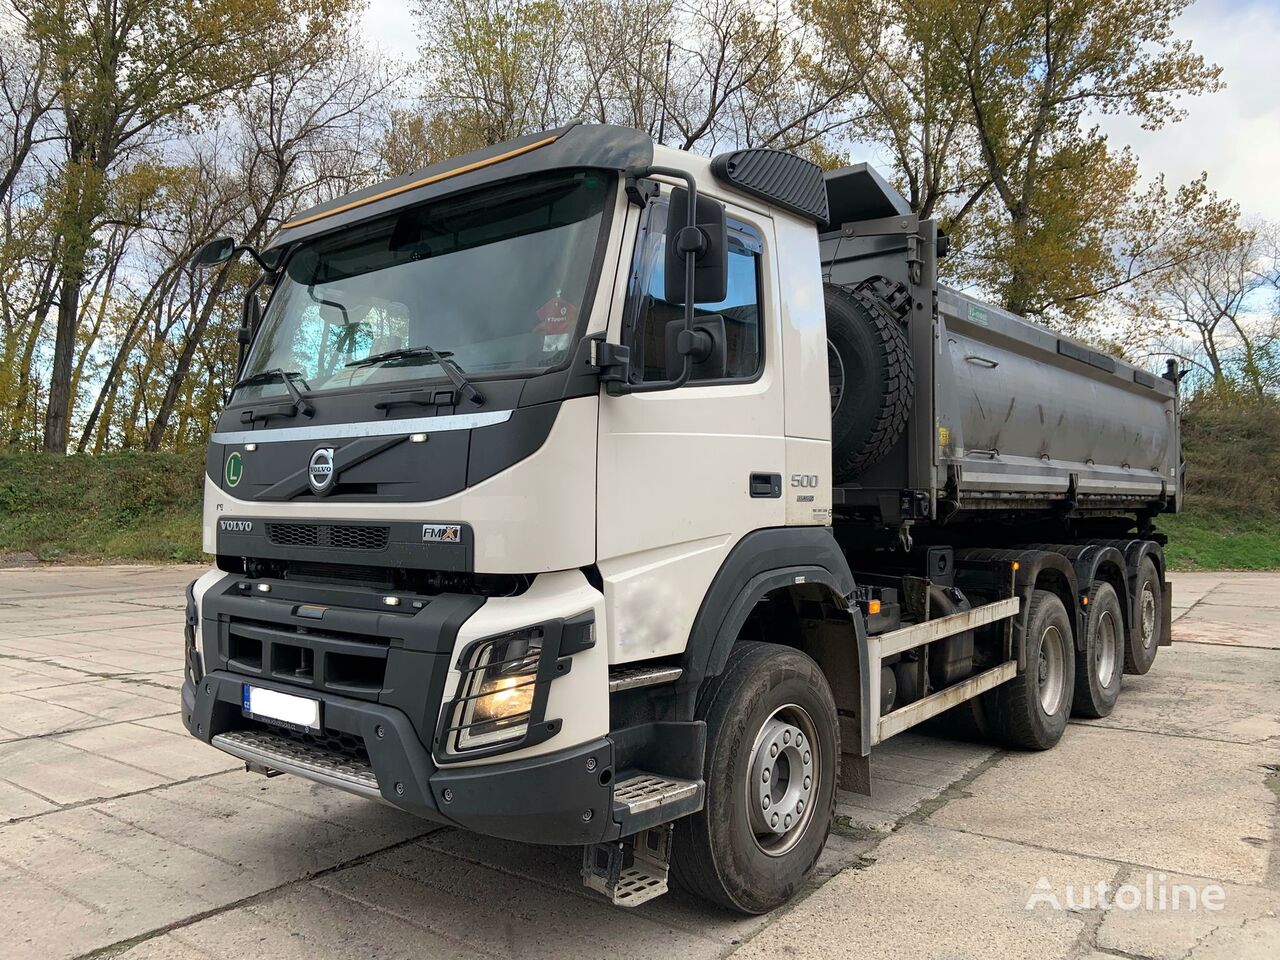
x,y
243,344
691,250
257,257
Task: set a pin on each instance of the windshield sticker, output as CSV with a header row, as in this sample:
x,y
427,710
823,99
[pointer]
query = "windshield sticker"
x,y
235,468
557,319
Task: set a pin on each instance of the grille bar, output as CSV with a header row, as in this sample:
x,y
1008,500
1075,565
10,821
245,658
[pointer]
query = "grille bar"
x,y
338,536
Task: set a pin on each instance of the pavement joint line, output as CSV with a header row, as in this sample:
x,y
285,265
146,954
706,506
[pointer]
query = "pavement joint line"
x,y
63,731
1087,940
35,793
1227,646
1149,867
1094,725
91,801
53,885
412,921
160,836
126,676
271,803
578,891
120,946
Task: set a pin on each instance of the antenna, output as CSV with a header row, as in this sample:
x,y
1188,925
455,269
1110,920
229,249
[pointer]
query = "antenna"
x,y
666,76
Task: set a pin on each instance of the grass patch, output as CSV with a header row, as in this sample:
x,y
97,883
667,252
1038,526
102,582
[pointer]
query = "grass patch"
x,y
1199,541
127,506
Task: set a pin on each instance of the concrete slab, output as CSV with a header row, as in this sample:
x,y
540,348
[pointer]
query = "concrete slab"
x,y
61,774
935,894
1247,920
1163,802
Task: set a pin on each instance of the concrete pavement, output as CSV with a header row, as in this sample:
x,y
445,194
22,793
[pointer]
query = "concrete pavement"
x,y
121,836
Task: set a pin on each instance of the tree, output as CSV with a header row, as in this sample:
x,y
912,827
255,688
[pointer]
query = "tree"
x,y
988,108
119,70
1218,310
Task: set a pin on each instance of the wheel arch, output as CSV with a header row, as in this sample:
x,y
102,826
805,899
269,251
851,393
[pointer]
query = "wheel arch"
x,y
800,569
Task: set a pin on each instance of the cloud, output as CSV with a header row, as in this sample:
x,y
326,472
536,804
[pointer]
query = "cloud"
x,y
389,25
1234,134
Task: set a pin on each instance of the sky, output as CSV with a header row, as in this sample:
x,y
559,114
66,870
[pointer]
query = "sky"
x,y
1234,134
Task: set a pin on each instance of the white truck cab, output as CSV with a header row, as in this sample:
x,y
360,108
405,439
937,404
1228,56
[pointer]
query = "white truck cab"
x,y
585,491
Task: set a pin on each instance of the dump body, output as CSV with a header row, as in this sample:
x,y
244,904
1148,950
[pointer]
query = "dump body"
x,y
1023,414
1006,414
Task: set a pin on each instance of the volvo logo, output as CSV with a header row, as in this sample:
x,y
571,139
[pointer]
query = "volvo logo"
x,y
320,470
235,526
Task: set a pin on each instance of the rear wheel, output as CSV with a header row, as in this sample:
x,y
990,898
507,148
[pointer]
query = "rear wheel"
x,y
772,755
1098,665
1032,709
1140,652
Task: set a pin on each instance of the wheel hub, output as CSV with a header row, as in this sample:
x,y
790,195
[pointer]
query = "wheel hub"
x,y
1148,615
783,780
1052,671
1106,651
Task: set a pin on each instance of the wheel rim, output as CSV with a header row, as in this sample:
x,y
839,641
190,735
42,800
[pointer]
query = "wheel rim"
x,y
1052,674
1148,614
1106,650
835,376
783,779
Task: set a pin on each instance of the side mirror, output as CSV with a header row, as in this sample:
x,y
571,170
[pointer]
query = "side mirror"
x,y
705,345
711,273
215,252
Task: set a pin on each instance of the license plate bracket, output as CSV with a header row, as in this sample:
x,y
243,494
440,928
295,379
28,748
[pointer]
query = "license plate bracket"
x,y
280,709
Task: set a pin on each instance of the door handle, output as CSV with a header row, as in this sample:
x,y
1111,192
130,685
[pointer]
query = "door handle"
x,y
766,485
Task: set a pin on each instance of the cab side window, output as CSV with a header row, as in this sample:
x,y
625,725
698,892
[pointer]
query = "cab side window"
x,y
651,315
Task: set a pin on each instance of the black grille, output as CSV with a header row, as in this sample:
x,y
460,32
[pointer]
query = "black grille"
x,y
358,538
337,536
294,534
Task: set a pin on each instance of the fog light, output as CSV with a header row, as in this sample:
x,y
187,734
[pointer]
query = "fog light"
x,y
497,690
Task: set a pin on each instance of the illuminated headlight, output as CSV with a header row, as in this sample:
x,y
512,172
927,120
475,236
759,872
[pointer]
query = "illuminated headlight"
x,y
498,687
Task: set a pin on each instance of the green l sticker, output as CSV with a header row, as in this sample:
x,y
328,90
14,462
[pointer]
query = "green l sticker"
x,y
235,468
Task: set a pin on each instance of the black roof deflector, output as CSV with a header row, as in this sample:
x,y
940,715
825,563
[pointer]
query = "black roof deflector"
x,y
597,146
860,193
782,179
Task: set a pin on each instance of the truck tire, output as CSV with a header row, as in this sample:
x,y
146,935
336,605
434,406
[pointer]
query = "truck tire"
x,y
1099,665
872,381
773,752
1144,637
1031,710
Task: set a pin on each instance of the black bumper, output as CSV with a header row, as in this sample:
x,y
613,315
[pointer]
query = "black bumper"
x,y
559,798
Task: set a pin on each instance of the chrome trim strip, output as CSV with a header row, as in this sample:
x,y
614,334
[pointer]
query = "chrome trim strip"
x,y
368,428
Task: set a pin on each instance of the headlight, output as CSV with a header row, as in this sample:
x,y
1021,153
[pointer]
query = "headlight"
x,y
497,687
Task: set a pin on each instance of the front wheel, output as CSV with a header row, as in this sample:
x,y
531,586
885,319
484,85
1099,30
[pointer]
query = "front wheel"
x,y
772,757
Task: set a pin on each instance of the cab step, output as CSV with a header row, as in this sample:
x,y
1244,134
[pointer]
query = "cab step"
x,y
633,677
630,871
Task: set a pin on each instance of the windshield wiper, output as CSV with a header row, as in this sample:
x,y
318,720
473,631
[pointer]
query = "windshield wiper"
x,y
300,404
441,357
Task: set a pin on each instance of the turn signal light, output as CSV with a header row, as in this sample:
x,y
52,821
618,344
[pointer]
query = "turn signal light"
x,y
873,607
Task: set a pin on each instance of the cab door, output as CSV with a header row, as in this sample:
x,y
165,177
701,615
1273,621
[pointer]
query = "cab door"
x,y
683,474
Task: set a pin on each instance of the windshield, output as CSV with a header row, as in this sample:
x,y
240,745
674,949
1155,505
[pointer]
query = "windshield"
x,y
494,280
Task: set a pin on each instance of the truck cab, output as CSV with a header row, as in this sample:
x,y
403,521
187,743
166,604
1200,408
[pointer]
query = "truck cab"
x,y
525,520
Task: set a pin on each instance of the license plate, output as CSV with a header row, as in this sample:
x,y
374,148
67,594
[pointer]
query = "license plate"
x,y
271,706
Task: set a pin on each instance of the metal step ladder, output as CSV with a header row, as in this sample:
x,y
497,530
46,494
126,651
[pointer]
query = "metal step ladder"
x,y
634,869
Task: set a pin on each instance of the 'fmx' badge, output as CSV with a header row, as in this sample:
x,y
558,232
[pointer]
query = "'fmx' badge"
x,y
235,468
441,533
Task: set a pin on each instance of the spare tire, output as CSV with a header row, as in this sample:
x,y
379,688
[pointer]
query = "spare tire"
x,y
872,380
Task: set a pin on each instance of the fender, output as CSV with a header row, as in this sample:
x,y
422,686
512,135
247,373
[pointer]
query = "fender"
x,y
760,562
1088,559
1134,551
1031,564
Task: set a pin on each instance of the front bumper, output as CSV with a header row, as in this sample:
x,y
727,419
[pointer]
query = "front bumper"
x,y
565,797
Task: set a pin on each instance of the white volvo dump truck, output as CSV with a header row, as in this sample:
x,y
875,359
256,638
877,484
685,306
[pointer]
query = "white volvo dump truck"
x,y
582,491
